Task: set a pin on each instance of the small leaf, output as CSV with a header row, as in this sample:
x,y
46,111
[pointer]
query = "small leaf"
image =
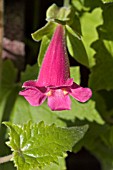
x,y
38,145
47,30
76,47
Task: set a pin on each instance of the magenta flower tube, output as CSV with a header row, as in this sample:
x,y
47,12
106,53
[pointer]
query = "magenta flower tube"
x,y
54,82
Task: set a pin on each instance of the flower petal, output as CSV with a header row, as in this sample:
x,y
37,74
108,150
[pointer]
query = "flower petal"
x,y
79,93
29,83
59,101
55,67
34,96
33,84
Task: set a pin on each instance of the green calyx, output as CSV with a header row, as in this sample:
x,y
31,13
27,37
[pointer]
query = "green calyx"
x,y
61,15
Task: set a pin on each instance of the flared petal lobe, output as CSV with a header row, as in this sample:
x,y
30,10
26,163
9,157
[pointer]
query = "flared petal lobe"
x,y
59,101
79,93
34,96
29,83
55,67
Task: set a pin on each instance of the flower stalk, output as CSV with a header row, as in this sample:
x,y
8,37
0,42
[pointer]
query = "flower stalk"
x,y
66,3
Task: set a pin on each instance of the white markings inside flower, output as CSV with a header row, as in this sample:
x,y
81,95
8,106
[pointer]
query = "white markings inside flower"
x,y
65,91
49,93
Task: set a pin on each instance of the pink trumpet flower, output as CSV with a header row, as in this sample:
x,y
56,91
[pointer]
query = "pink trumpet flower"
x,y
54,80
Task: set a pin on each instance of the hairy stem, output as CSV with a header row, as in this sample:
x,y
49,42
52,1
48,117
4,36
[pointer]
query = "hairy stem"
x,y
66,3
5,158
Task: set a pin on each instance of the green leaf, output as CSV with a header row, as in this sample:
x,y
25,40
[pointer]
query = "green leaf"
x,y
7,88
104,104
89,23
76,47
60,166
86,111
95,143
99,142
107,137
105,29
91,137
44,44
82,111
30,73
75,74
107,1
101,74
8,93
37,145
76,26
27,112
9,74
73,32
86,5
79,5
105,153
47,30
